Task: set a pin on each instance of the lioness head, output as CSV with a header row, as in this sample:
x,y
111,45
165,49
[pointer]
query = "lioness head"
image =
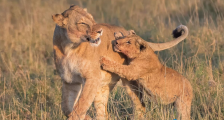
x,y
75,23
131,46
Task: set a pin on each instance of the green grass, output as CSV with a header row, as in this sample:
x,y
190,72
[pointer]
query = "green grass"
x,y
30,89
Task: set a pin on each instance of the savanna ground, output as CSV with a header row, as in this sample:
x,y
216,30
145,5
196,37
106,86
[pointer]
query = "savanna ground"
x,y
31,89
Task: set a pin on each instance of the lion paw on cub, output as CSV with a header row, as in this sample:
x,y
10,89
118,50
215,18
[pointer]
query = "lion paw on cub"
x,y
162,84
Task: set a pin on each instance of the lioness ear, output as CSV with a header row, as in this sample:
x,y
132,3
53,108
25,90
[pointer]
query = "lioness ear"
x,y
85,9
118,35
60,20
131,32
72,5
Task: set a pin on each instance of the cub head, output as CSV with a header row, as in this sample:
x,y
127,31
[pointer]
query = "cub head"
x,y
94,36
131,45
74,22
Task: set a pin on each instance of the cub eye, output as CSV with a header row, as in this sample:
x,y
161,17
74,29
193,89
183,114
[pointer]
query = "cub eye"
x,y
128,42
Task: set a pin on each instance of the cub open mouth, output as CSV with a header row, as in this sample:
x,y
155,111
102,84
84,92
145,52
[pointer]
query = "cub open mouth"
x,y
96,41
116,49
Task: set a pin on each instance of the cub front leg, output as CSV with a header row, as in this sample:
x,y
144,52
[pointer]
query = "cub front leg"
x,y
129,72
107,64
132,87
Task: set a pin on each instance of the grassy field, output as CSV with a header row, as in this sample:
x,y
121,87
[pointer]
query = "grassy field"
x,y
31,89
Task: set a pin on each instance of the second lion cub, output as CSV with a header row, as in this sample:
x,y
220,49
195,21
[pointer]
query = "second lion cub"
x,y
162,84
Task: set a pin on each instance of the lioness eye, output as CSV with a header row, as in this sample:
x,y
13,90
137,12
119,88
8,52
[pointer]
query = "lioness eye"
x,y
82,23
128,42
83,26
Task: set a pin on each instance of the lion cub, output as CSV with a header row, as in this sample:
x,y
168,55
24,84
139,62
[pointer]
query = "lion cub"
x,y
162,84
94,36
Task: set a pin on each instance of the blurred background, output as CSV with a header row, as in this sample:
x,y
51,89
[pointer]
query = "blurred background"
x,y
31,89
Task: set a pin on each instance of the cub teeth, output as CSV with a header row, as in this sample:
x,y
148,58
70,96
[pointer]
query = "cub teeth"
x,y
96,40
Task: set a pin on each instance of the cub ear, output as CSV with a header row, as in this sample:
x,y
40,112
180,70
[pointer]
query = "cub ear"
x,y
100,31
131,32
118,35
141,45
60,20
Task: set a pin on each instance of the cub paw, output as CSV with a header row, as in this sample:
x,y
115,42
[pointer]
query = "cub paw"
x,y
105,63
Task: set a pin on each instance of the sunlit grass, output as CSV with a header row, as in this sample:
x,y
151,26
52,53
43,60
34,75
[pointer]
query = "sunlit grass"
x,y
30,89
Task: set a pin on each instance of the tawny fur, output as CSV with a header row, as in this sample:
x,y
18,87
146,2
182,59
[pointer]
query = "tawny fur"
x,y
163,84
77,62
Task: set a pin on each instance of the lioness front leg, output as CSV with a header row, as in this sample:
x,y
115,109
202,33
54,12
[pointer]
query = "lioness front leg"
x,y
86,98
100,102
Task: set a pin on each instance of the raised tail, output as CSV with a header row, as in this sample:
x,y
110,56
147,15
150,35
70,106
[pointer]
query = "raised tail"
x,y
180,33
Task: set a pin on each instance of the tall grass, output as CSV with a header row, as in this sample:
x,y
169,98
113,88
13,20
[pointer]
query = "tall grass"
x,y
30,89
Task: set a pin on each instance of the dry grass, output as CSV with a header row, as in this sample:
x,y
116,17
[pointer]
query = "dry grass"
x,y
29,88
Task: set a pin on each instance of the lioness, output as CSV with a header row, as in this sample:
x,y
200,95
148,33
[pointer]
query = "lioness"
x,y
77,62
162,84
